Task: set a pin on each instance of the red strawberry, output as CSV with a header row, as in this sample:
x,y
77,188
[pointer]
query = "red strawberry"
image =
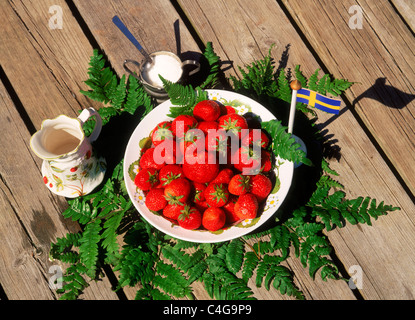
x,y
239,184
216,194
178,191
229,209
227,110
261,186
146,179
155,199
217,141
201,206
248,139
182,124
224,176
166,152
169,173
247,160
203,169
148,160
206,125
266,164
213,218
207,110
199,192
190,218
234,123
194,140
173,211
247,206
161,132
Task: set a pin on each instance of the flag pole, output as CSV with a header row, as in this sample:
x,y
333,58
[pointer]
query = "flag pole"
x,y
295,86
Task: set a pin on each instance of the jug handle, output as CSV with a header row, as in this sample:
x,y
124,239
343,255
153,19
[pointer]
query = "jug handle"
x,y
194,63
126,68
85,115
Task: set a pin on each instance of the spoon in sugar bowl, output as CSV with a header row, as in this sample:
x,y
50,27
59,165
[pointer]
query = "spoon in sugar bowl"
x,y
117,21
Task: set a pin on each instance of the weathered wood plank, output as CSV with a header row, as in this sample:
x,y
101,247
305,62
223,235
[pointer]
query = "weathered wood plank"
x,y
151,22
46,66
380,58
30,217
379,249
407,9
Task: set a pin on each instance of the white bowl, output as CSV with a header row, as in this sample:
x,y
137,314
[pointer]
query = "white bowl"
x,y
242,104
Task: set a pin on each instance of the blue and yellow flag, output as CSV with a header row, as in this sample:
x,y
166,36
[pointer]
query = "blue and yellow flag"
x,y
318,101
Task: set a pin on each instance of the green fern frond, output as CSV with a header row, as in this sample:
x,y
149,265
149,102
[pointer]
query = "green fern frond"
x,y
249,265
73,282
281,239
88,250
109,236
171,280
185,97
235,255
213,59
283,144
79,210
257,77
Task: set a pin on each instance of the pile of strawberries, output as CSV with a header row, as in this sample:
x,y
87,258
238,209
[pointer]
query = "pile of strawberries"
x,y
202,192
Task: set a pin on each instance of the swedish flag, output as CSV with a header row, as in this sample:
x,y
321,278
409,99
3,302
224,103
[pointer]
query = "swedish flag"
x,y
318,101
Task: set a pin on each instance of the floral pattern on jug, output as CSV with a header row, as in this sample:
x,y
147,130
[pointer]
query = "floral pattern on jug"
x,y
75,180
70,166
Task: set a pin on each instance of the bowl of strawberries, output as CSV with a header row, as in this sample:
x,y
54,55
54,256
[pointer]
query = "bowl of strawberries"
x,y
209,176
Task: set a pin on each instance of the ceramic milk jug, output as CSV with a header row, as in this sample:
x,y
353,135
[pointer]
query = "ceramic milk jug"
x,y
70,167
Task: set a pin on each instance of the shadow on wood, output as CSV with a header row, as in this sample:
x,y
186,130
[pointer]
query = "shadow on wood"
x,y
386,94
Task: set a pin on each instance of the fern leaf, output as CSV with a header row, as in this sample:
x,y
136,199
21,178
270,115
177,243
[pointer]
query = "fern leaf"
x,y
173,282
281,239
283,144
234,255
88,249
312,81
213,59
284,91
185,97
249,265
118,95
109,235
283,282
74,283
78,210
300,77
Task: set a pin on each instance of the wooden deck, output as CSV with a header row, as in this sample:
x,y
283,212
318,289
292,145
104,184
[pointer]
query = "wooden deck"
x,y
42,71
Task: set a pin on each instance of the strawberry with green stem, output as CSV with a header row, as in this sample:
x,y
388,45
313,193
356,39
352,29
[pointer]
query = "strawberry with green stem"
x,y
216,194
190,218
173,211
239,184
178,191
247,160
234,123
199,192
169,173
161,132
146,179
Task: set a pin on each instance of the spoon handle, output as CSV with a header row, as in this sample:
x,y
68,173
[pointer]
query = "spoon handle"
x,y
116,20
